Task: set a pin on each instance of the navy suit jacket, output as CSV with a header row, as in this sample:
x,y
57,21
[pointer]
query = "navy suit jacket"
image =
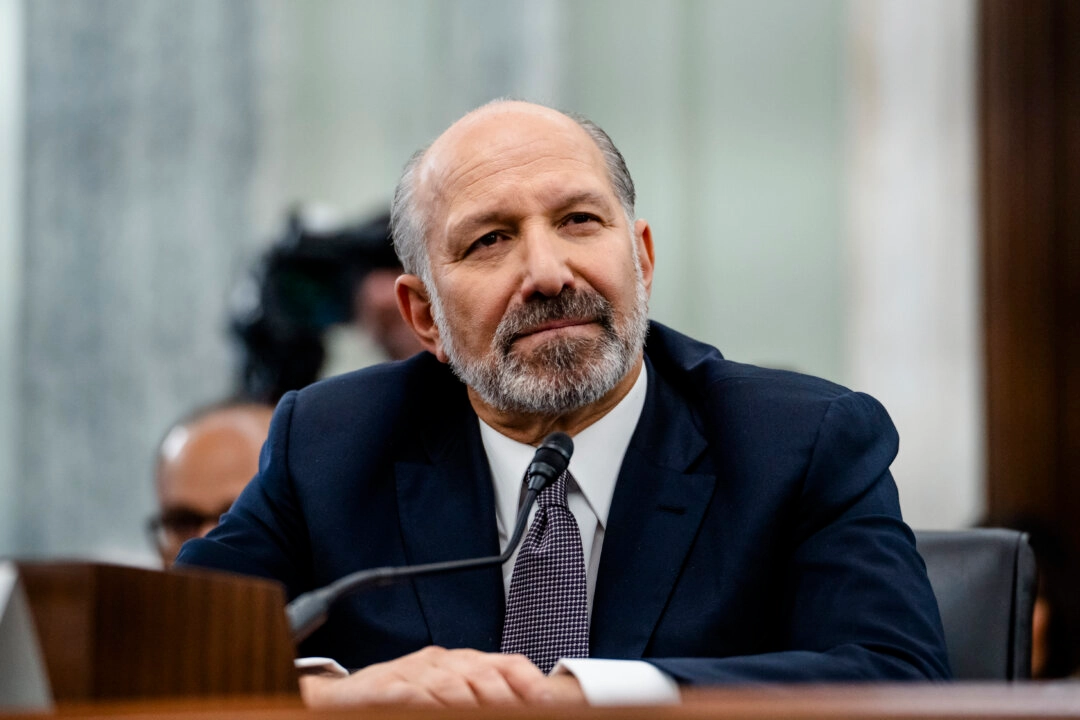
x,y
754,533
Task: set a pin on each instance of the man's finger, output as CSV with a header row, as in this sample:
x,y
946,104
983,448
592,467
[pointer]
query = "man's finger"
x,y
401,692
485,674
492,688
480,670
525,679
447,686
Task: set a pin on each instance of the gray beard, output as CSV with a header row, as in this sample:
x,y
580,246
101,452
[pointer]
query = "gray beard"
x,y
562,375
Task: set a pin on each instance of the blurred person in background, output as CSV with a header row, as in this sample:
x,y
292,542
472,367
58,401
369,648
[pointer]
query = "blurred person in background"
x,y
301,315
203,463
311,302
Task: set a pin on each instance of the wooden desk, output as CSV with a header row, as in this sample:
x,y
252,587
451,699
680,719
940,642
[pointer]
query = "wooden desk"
x,y
790,702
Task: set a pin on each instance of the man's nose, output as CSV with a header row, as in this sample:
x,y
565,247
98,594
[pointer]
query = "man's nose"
x,y
547,268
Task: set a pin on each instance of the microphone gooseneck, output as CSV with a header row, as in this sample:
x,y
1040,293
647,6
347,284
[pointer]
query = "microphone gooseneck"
x,y
550,461
309,611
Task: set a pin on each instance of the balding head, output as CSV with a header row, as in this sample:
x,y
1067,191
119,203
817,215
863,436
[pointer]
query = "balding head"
x,y
203,463
418,189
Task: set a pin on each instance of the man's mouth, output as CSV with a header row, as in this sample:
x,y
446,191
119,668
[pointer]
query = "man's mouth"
x,y
553,325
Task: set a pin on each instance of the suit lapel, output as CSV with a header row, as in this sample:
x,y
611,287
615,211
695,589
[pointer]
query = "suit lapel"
x,y
447,510
655,513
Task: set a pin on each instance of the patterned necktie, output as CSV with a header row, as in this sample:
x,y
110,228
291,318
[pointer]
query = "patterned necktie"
x,y
547,615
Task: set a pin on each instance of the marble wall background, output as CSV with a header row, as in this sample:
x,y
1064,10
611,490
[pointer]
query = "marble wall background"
x,y
12,54
913,311
140,147
162,141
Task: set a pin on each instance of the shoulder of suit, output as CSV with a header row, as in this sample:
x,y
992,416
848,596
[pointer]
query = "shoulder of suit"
x,y
382,388
699,370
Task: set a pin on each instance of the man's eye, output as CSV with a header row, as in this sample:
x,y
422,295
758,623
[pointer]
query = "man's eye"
x,y
485,241
185,522
580,219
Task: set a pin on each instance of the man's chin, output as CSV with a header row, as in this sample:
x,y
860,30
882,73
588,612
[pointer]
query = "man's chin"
x,y
557,356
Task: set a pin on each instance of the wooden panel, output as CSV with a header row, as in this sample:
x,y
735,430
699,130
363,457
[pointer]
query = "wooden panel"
x,y
62,601
120,632
1018,209
1030,100
1068,262
789,702
1030,114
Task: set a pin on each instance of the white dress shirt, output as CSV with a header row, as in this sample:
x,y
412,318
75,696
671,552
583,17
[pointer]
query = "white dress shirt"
x,y
598,455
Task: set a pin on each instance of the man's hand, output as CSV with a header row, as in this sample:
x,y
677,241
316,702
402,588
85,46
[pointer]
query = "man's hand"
x,y
436,676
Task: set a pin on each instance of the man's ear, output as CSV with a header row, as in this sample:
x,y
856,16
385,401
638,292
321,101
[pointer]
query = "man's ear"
x,y
643,238
415,307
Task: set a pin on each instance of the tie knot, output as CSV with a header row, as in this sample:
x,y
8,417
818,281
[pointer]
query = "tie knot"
x,y
554,494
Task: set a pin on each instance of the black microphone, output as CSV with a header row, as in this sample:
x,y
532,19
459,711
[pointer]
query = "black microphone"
x,y
308,611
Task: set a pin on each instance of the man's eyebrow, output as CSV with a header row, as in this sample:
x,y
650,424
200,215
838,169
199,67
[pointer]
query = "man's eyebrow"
x,y
585,197
472,223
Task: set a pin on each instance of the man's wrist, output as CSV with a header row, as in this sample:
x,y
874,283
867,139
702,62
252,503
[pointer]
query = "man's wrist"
x,y
566,689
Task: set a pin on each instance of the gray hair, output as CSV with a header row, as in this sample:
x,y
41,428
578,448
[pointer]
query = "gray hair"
x,y
407,221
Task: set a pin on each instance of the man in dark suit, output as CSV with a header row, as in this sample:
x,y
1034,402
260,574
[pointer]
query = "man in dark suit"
x,y
736,524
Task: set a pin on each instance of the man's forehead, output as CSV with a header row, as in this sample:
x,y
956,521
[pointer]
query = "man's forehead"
x,y
509,133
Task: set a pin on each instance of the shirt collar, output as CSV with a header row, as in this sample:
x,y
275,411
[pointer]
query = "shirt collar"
x,y
595,464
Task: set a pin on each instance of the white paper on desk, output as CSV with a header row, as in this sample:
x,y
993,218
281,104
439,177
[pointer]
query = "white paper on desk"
x,y
24,684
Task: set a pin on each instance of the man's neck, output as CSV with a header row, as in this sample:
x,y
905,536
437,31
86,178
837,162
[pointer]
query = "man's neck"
x,y
532,429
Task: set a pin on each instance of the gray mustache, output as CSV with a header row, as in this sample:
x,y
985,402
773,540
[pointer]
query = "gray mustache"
x,y
585,305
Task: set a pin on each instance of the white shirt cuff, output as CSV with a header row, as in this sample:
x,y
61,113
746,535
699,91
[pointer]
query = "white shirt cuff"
x,y
319,666
620,682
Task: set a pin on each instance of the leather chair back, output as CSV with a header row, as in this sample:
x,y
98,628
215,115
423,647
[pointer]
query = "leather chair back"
x,y
984,580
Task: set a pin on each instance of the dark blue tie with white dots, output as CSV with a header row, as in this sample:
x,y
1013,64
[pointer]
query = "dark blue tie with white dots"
x,y
547,615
